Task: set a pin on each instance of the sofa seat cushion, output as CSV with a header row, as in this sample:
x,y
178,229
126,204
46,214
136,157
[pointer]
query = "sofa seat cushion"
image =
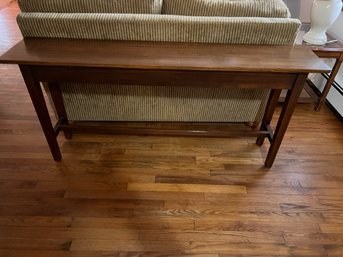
x,y
228,8
92,6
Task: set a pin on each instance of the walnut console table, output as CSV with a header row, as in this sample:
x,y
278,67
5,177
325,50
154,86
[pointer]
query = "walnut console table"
x,y
152,63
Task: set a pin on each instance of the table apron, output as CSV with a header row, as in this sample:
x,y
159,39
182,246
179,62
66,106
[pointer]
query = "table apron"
x,y
175,78
328,54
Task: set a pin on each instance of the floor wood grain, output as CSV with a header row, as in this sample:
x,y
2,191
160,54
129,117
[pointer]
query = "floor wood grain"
x,y
118,196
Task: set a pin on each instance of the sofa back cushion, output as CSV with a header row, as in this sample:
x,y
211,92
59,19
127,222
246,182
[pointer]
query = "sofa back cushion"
x,y
92,6
165,28
228,8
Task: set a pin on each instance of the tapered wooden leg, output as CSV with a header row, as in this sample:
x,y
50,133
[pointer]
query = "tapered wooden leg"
x,y
285,117
268,115
56,96
39,104
329,83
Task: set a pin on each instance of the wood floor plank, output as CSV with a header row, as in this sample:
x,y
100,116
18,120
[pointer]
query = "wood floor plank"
x,y
213,236
35,253
62,233
256,226
331,227
115,194
61,206
302,238
192,188
35,221
133,233
142,223
196,247
35,244
230,206
334,250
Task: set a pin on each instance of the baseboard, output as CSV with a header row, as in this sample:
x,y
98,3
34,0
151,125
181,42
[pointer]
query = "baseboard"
x,y
328,104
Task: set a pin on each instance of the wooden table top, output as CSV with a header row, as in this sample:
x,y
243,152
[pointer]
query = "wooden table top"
x,y
330,47
164,56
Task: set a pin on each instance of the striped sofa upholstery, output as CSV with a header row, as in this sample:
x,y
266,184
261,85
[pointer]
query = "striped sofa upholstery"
x,y
166,28
91,6
227,8
89,102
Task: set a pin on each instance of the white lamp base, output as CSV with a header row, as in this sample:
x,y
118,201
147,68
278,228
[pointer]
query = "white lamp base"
x,y
323,14
314,38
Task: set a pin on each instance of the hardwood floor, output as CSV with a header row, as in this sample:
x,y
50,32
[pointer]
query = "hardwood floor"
x,y
164,196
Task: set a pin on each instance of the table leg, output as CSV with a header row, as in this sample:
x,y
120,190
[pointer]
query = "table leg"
x,y
268,115
285,117
56,96
329,83
39,104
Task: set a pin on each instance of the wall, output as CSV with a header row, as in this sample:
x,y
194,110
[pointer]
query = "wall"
x,y
337,28
335,98
300,9
305,10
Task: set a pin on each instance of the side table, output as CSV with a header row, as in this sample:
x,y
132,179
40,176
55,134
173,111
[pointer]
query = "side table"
x,y
331,50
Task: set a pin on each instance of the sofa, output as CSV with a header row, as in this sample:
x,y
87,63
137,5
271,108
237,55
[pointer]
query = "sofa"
x,y
227,22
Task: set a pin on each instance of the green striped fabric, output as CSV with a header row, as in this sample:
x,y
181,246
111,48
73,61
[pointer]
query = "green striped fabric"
x,y
227,8
92,6
151,103
167,28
